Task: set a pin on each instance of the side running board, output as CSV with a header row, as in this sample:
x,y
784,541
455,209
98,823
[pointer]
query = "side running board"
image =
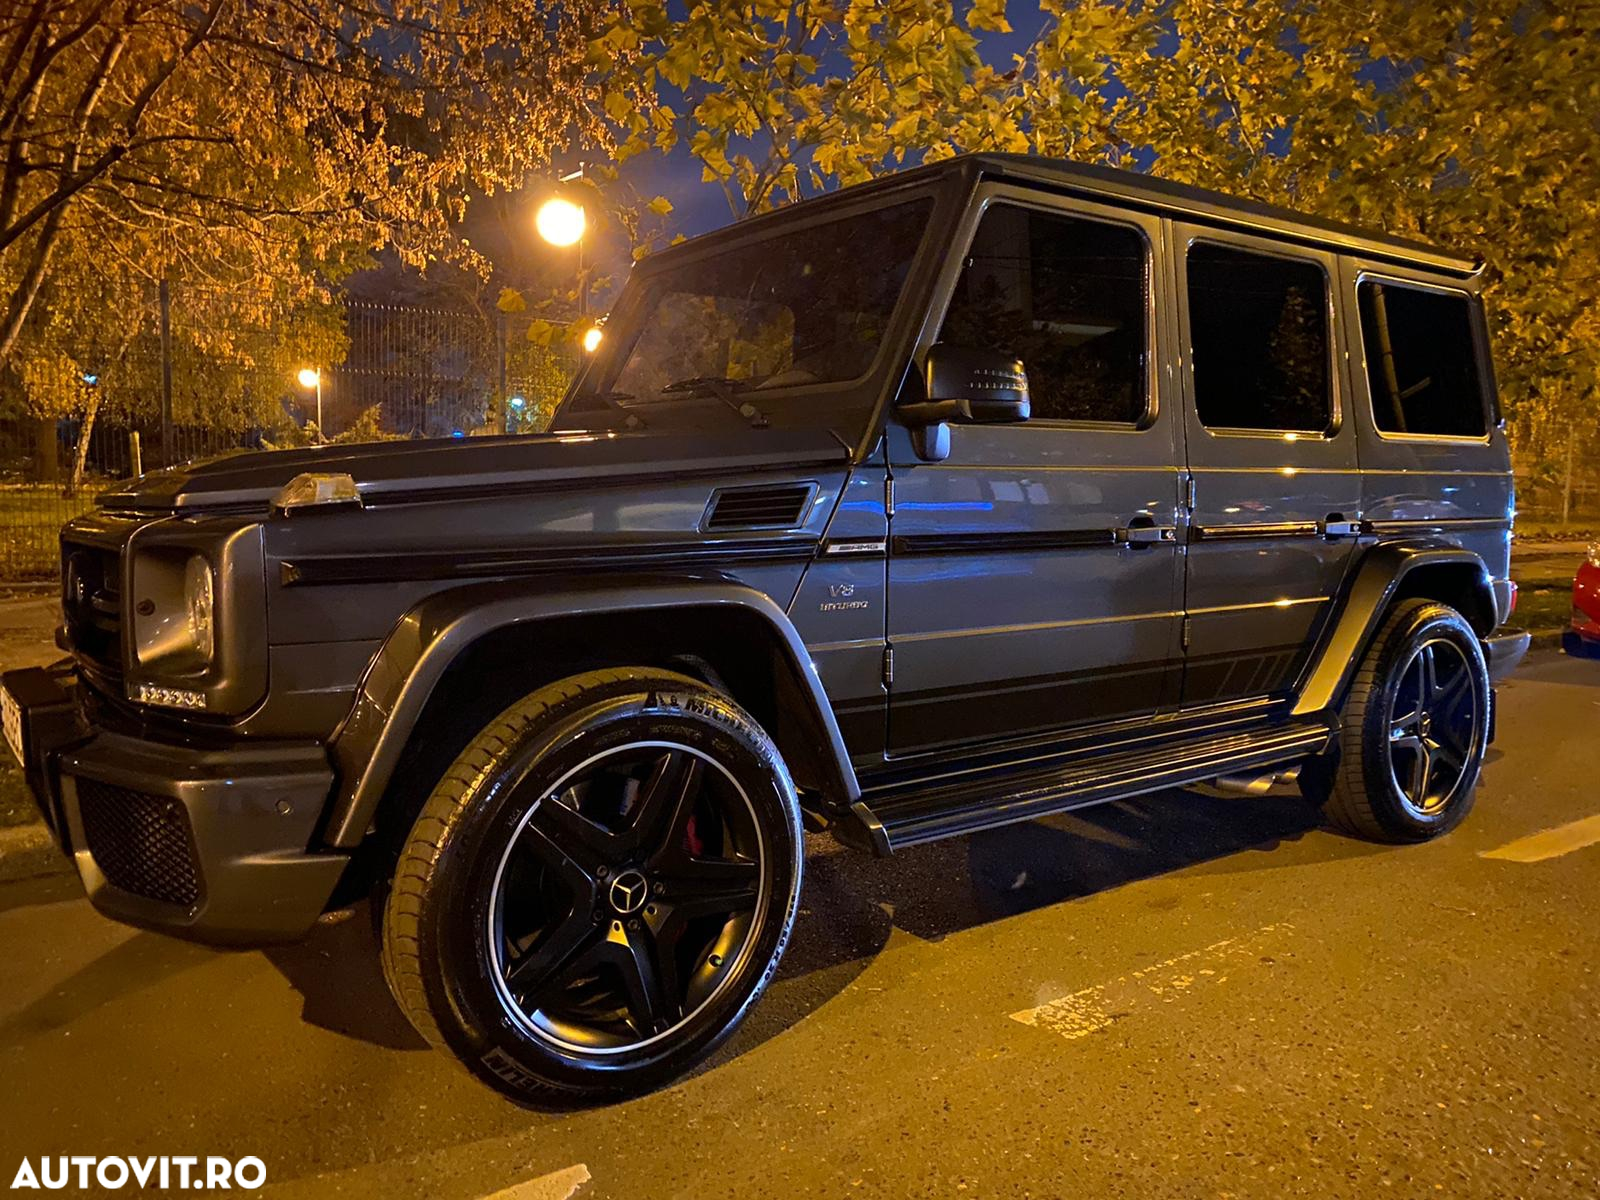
x,y
889,820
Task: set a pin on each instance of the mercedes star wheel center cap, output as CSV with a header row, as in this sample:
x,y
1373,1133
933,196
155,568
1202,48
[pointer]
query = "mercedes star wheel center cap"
x,y
628,891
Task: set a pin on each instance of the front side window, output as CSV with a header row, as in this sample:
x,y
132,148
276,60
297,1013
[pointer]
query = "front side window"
x,y
740,334
1067,296
1422,364
1258,332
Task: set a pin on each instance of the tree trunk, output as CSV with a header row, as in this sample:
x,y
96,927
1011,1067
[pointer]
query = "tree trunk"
x,y
1566,481
80,456
46,461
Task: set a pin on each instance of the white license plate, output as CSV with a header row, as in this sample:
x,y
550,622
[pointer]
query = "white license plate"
x,y
12,712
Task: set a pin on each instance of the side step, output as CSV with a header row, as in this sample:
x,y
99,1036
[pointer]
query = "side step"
x,y
905,816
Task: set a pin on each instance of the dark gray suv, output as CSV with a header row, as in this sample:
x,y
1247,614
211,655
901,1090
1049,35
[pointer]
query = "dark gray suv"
x,y
990,490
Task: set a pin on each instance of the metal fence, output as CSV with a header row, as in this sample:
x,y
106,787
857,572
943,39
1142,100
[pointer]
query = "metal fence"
x,y
199,374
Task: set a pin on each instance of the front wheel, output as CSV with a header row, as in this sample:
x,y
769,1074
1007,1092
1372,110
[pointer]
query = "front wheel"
x,y
1413,731
599,888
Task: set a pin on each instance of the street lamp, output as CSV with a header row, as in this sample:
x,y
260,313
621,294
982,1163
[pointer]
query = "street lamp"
x,y
563,223
591,338
309,378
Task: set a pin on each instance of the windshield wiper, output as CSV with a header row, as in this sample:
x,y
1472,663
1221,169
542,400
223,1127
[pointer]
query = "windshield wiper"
x,y
721,389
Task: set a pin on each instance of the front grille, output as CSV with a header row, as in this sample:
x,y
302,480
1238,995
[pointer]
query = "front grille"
x,y
141,843
91,604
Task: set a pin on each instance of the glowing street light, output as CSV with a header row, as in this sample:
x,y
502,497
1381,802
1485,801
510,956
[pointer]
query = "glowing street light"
x,y
591,338
310,377
560,222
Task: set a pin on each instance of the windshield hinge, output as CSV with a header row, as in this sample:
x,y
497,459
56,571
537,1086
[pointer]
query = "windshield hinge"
x,y
888,665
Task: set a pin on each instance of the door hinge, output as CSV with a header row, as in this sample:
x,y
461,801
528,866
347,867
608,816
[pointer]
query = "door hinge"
x,y
888,495
1190,496
1187,632
888,665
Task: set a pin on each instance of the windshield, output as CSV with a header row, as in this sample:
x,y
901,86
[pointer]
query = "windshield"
x,y
758,332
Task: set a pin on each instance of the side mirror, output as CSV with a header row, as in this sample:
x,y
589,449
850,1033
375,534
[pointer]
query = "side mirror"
x,y
968,385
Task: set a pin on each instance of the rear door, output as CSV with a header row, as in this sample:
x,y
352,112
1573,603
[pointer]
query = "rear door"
x,y
1016,604
1272,453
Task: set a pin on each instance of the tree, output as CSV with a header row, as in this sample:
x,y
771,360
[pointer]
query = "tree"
x,y
1476,125
234,139
782,100
1473,124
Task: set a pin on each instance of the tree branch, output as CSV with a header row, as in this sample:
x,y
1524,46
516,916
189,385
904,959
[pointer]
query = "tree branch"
x,y
69,187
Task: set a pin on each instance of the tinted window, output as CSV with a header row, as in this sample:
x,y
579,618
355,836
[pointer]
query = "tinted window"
x,y
804,307
1259,341
1422,366
794,308
1065,295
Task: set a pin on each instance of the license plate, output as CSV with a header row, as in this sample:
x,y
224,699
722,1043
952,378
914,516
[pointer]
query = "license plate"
x,y
12,713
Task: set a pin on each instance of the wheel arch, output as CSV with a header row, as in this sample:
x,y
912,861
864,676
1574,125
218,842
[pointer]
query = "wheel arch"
x,y
1421,569
431,676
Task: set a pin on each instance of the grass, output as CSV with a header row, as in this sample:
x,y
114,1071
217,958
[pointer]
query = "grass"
x,y
1543,608
31,517
1583,529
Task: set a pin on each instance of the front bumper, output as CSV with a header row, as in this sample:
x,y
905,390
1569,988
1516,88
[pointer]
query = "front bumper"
x,y
213,845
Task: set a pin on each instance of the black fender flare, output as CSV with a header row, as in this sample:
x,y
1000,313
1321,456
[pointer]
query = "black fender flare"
x,y
1377,579
368,745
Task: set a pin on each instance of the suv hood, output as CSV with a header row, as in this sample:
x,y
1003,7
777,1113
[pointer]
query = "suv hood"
x,y
457,468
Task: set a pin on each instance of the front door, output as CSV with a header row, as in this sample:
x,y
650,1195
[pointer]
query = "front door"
x,y
1276,494
1019,602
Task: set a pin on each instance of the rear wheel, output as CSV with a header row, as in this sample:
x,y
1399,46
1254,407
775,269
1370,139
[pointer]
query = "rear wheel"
x,y
1414,730
599,888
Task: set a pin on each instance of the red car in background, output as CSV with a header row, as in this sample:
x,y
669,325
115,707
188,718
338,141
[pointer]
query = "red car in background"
x,y
1583,636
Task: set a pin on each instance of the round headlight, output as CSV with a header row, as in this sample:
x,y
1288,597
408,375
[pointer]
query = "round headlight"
x,y
198,601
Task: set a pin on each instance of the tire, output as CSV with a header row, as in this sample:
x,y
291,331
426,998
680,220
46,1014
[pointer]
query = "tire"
x,y
599,888
1413,730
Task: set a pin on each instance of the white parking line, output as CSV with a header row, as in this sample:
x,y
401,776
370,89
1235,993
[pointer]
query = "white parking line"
x,y
557,1185
1549,843
1095,1008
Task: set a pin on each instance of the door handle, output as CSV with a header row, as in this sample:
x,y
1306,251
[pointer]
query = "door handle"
x,y
1335,526
1146,535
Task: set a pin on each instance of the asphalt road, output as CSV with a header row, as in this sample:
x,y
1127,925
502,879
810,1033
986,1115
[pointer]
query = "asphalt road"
x,y
1176,997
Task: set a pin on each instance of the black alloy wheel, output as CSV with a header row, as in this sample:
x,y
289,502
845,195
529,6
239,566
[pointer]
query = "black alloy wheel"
x,y
599,888
627,898
1413,730
1433,726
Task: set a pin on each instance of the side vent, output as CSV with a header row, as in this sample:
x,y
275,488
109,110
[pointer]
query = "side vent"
x,y
782,506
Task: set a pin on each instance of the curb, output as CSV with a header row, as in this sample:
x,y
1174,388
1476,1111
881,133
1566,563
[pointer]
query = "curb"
x,y
27,852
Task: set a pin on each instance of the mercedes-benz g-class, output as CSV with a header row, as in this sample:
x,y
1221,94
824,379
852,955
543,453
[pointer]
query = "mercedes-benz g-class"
x,y
985,491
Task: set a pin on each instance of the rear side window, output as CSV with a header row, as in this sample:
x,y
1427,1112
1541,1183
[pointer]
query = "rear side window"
x,y
1258,329
1422,365
1067,296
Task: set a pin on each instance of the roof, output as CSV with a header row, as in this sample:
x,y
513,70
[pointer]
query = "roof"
x,y
1216,207
1137,190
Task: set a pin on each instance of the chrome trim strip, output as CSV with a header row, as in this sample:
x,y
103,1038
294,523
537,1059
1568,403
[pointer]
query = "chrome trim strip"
x,y
1218,608
1268,529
